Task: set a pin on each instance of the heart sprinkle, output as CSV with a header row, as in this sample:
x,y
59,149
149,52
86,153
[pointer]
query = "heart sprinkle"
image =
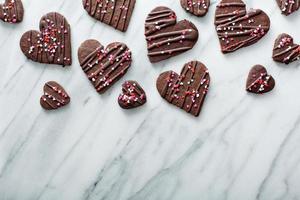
x,y
132,95
285,51
187,90
236,28
12,11
116,13
54,96
259,81
52,45
104,66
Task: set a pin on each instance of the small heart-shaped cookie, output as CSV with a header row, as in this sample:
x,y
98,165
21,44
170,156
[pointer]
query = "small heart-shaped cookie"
x,y
287,7
198,8
285,51
52,45
132,95
238,28
104,67
116,13
166,38
54,96
259,81
187,90
12,11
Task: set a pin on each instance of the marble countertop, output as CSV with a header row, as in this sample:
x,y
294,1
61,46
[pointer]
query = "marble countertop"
x,y
242,147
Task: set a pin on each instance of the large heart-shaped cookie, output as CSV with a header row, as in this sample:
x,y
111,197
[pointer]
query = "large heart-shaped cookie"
x,y
287,7
132,95
116,13
106,66
259,81
238,28
166,38
52,45
12,11
285,51
187,90
54,96
198,8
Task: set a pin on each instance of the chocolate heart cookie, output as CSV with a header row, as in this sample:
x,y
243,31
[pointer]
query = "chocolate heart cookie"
x,y
12,11
238,28
132,95
54,96
259,81
106,66
165,37
116,13
285,51
187,90
287,7
52,45
196,7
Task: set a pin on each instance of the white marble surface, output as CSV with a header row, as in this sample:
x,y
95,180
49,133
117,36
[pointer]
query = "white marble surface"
x,y
242,147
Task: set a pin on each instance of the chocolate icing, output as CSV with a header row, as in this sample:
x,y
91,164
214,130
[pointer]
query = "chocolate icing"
x,y
104,67
287,7
196,7
238,28
132,95
259,81
285,51
52,45
12,11
187,90
54,96
166,38
116,13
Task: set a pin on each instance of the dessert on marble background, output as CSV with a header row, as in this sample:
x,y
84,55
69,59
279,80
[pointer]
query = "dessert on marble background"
x,y
186,90
236,27
132,95
54,96
165,36
259,81
104,67
11,11
198,8
287,7
285,50
52,45
116,13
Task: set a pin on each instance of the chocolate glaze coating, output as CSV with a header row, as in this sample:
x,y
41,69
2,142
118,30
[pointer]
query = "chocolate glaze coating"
x,y
52,45
166,38
12,11
237,28
285,51
187,90
287,7
104,67
116,13
132,95
198,8
54,96
259,81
